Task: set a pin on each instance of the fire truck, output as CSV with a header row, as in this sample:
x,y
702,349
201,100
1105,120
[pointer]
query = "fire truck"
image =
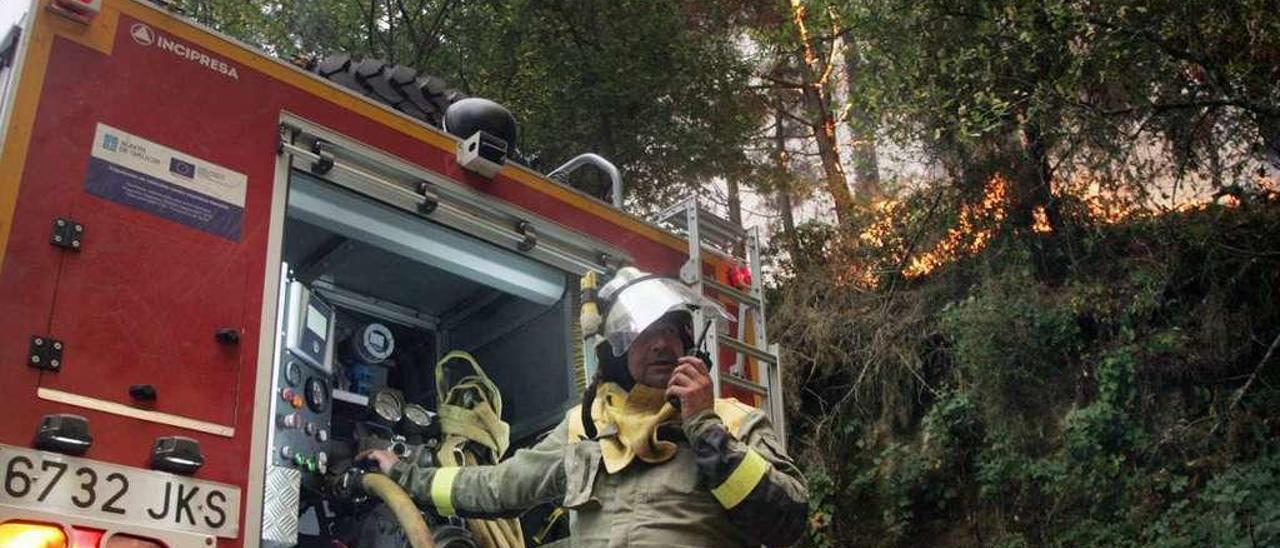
x,y
222,275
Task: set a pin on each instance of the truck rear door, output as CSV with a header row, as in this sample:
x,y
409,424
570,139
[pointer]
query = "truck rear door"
x,y
160,274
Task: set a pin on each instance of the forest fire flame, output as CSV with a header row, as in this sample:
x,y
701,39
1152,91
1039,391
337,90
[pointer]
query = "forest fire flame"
x,y
1041,221
975,227
977,224
973,231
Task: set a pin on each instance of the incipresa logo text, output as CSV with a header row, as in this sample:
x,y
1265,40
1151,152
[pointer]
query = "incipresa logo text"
x,y
145,36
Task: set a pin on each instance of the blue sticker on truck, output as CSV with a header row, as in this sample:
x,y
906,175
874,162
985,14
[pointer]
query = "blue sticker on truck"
x,y
151,177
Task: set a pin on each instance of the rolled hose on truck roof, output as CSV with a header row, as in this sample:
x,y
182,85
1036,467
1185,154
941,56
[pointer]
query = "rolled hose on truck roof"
x,y
421,96
428,98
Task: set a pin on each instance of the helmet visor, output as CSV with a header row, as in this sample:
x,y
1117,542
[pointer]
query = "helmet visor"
x,y
642,303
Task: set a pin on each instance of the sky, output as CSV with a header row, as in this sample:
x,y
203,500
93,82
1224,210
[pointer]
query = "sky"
x,y
10,11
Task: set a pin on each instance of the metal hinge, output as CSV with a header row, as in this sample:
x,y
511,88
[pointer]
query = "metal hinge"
x,y
530,236
324,163
67,234
430,201
285,135
45,353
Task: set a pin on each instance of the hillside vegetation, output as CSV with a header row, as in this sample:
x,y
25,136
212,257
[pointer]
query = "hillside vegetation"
x,y
1129,401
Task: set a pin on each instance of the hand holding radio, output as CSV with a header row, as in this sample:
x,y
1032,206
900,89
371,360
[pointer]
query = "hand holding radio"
x,y
690,389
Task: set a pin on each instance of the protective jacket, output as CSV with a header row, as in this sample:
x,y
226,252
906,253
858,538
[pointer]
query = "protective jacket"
x,y
728,484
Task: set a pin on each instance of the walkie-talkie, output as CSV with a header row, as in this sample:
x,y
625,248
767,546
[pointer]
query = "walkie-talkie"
x,y
699,351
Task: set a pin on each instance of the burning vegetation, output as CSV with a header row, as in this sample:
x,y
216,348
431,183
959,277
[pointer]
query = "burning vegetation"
x,y
895,239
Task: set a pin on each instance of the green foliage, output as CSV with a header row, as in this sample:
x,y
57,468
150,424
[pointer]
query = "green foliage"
x,y
821,508
984,406
1063,388
904,484
1240,507
953,429
1102,429
1083,79
1014,343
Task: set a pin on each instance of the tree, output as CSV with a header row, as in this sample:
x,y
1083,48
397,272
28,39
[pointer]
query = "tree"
x,y
1046,91
657,87
862,125
815,74
783,183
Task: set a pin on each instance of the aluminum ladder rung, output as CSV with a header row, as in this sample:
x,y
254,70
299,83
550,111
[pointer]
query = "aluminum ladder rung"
x,y
672,214
747,349
712,226
732,293
744,384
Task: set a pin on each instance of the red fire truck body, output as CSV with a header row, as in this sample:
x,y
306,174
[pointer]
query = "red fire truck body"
x,y
143,198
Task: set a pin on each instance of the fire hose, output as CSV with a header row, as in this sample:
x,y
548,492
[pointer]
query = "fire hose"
x,y
411,522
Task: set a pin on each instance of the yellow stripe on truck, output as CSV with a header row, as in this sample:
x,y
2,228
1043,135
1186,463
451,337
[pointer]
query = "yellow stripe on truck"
x,y
743,479
442,490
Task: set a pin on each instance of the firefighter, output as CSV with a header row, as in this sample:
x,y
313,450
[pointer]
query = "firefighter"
x,y
650,458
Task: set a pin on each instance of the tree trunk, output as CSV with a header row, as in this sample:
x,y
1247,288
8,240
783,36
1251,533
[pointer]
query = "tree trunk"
x,y
824,133
862,126
817,100
1269,131
1032,193
789,235
735,211
1032,184
789,229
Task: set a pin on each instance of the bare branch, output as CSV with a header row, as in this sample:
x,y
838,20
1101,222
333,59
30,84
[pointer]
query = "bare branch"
x,y
806,122
1254,376
411,22
831,51
1187,105
780,83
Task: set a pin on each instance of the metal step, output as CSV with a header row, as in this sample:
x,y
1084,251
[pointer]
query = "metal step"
x,y
732,293
747,349
744,384
712,228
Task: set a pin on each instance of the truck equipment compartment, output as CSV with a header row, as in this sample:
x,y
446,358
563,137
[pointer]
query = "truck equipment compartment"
x,y
371,298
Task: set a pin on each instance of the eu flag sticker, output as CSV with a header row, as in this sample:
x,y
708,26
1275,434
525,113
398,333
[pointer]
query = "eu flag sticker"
x,y
130,170
182,168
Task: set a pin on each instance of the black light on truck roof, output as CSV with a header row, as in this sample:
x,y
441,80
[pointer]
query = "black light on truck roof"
x,y
488,132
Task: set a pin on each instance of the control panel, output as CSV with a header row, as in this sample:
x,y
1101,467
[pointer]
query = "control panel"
x,y
303,385
309,327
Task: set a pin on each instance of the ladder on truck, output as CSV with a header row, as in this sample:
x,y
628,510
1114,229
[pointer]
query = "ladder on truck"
x,y
756,368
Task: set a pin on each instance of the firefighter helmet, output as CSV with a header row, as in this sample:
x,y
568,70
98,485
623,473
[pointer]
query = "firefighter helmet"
x,y
636,299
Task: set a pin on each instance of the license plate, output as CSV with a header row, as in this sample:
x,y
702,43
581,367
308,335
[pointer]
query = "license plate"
x,y
93,489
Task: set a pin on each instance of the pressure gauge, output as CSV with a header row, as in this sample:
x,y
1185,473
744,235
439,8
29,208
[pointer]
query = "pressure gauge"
x,y
386,406
373,343
293,373
416,420
317,394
